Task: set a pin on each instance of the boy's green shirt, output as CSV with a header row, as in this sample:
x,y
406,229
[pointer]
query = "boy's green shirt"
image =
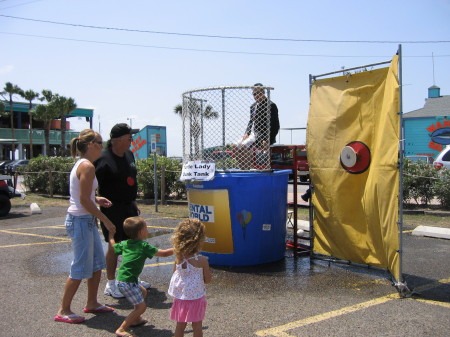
x,y
134,253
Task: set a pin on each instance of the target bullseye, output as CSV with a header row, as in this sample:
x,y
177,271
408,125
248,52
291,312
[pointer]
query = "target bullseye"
x,y
355,157
348,156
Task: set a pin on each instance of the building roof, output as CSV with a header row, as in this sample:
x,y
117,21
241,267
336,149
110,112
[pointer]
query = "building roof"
x,y
25,107
439,106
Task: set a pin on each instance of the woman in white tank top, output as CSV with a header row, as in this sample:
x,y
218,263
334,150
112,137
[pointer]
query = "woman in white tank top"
x,y
81,225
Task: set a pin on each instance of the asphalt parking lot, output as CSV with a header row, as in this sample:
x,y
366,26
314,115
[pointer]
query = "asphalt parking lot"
x,y
292,297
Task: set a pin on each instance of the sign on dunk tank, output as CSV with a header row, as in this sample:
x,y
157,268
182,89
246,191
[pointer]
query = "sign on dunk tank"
x,y
212,207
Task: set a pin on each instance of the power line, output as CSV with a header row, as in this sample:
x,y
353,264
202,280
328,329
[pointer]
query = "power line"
x,y
218,36
203,50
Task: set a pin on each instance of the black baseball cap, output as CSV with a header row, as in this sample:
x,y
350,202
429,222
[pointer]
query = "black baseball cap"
x,y
122,129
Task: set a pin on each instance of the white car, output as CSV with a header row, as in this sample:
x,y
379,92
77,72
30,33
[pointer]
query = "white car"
x,y
443,159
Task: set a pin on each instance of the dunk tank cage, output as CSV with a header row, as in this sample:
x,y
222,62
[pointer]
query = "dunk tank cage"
x,y
244,207
355,150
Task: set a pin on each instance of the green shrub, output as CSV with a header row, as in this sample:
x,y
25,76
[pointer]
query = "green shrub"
x,y
173,187
419,180
442,187
37,174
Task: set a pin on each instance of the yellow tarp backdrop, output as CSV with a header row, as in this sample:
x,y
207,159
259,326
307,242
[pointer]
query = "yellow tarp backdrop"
x,y
356,215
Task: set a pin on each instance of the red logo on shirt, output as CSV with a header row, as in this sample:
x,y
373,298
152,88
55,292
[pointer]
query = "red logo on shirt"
x,y
130,181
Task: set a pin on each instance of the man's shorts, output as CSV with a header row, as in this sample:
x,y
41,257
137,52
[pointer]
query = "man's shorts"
x,y
88,255
117,213
132,291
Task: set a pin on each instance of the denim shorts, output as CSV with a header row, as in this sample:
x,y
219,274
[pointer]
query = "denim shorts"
x,y
88,255
132,291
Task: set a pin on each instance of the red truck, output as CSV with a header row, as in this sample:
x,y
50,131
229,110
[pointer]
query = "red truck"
x,y
291,157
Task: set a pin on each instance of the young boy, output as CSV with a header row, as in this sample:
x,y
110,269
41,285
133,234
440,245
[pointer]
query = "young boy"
x,y
134,251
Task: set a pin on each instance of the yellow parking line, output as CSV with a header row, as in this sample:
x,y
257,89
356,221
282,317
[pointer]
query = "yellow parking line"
x,y
280,331
33,244
38,235
158,264
161,227
441,304
26,228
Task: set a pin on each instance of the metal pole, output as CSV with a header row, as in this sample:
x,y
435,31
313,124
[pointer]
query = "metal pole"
x,y
183,119
201,129
223,118
311,205
155,181
401,149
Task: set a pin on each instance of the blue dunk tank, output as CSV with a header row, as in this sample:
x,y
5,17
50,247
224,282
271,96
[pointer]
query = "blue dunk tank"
x,y
241,201
244,214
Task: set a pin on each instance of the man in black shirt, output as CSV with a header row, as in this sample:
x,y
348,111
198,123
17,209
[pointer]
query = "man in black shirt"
x,y
263,119
116,174
263,126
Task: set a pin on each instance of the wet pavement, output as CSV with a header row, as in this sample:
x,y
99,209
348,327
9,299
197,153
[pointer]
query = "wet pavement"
x,y
291,297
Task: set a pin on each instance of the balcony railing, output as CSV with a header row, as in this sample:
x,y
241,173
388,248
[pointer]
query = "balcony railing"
x,y
23,136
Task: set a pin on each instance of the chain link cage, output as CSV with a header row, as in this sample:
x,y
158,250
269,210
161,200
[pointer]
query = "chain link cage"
x,y
228,125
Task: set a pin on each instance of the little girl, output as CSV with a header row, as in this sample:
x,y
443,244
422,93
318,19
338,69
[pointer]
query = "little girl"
x,y
191,272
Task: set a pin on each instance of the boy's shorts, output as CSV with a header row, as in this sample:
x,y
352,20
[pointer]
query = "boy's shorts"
x,y
88,255
132,291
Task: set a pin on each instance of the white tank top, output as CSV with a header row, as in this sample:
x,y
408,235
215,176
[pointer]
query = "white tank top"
x,y
75,207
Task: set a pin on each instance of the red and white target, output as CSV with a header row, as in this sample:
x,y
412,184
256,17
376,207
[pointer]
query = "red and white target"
x,y
355,157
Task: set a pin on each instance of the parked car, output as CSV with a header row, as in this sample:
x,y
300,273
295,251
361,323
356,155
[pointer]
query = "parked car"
x,y
443,159
6,193
3,164
11,168
282,158
417,158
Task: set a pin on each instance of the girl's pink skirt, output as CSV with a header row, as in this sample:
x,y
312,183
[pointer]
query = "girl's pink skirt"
x,y
188,310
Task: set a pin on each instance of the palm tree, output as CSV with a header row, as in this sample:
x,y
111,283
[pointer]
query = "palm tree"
x,y
11,89
30,95
46,113
65,106
196,115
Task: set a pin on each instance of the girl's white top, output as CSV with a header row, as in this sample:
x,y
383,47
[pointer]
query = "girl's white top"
x,y
187,283
75,207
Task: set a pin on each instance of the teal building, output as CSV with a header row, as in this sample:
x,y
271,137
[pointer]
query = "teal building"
x,y
427,130
150,139
21,139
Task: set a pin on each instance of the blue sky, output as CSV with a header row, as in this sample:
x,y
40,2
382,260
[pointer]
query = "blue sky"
x,y
124,74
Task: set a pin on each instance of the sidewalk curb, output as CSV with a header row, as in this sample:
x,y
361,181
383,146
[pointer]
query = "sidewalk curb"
x,y
434,232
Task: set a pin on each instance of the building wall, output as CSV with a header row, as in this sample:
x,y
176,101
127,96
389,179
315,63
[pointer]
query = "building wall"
x,y
418,134
142,141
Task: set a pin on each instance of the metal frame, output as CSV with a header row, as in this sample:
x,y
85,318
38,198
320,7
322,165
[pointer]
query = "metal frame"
x,y
399,282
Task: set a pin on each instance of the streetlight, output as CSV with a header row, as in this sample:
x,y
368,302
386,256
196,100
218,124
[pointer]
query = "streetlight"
x,y
131,121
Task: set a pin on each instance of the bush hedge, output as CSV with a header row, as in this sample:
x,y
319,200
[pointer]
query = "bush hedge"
x,y
41,170
421,181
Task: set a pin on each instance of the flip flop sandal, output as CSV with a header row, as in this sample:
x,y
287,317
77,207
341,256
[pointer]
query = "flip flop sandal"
x,y
100,309
72,319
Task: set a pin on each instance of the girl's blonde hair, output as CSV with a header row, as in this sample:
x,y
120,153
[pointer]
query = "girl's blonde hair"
x,y
188,237
79,144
